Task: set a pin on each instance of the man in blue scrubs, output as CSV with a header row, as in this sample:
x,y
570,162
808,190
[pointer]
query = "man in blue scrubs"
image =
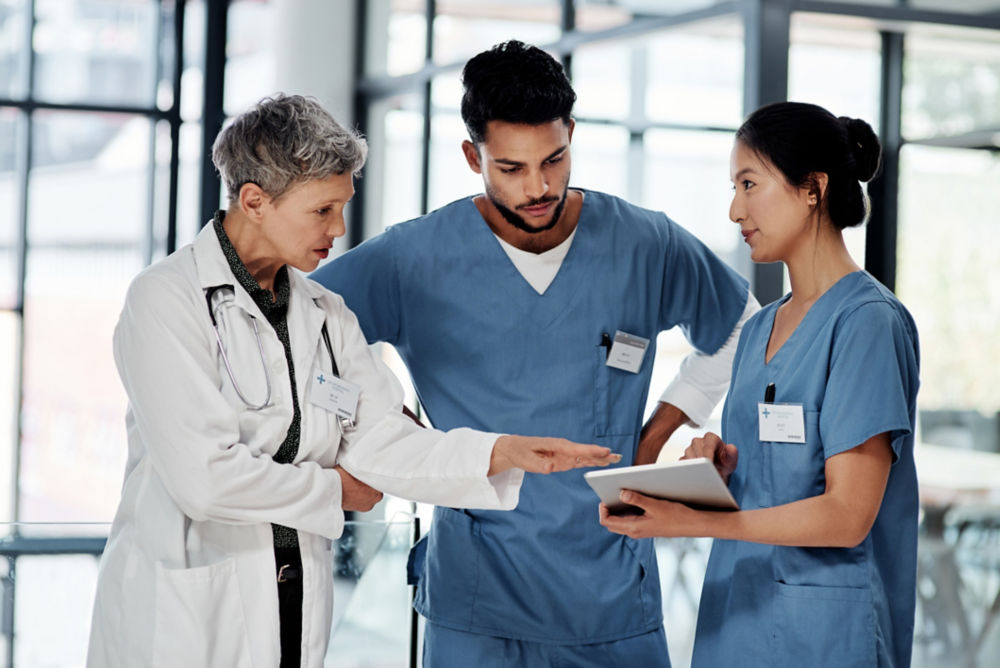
x,y
534,308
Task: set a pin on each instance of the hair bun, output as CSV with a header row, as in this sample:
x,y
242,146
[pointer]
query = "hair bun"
x,y
864,146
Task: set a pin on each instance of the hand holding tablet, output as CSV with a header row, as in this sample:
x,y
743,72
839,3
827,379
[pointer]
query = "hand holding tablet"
x,y
695,482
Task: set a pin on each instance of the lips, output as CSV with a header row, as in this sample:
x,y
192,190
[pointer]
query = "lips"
x,y
538,209
322,252
747,234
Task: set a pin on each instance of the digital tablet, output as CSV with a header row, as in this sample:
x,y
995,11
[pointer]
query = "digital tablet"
x,y
694,482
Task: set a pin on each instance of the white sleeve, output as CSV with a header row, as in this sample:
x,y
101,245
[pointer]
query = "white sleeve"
x,y
394,455
703,379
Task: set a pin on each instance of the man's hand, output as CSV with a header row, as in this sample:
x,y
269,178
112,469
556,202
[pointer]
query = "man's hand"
x,y
711,447
546,455
356,495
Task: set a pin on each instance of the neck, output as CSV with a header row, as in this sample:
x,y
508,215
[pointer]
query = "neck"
x,y
817,265
526,241
251,248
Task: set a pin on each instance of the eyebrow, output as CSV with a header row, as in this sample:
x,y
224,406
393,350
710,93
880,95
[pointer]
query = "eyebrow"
x,y
742,172
507,161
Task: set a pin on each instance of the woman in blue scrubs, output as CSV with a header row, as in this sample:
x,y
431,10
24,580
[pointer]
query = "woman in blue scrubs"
x,y
818,568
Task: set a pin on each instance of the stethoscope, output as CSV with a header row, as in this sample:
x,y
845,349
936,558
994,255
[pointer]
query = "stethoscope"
x,y
346,424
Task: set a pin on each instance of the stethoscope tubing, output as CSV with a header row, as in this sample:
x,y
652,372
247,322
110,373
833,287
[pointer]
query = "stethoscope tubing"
x,y
225,358
346,424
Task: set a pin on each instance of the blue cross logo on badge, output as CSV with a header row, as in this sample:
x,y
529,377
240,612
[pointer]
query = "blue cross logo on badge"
x,y
321,379
766,412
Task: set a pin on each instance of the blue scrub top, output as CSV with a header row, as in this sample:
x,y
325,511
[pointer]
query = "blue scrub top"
x,y
486,351
853,364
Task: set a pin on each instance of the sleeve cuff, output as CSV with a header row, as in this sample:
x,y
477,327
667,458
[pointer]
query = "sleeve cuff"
x,y
687,397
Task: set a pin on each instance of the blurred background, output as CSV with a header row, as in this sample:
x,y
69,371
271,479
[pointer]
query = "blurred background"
x,y
107,113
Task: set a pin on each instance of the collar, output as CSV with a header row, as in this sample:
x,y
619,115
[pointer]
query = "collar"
x,y
272,305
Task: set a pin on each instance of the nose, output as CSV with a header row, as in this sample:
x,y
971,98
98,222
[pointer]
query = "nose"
x,y
736,213
338,227
536,185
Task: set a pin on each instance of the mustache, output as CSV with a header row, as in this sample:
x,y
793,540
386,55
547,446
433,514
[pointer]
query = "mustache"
x,y
538,202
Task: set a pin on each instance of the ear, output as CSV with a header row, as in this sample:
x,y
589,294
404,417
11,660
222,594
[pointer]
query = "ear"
x,y
816,186
252,200
572,125
472,156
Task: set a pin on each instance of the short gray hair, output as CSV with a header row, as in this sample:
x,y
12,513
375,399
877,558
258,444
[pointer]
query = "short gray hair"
x,y
282,141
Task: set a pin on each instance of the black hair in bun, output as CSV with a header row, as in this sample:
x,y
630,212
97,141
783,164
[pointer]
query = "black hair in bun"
x,y
865,147
803,139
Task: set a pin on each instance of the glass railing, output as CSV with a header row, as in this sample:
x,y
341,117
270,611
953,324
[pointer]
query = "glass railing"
x,y
48,578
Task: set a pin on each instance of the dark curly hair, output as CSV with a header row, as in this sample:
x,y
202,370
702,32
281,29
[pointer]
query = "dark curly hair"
x,y
516,83
801,139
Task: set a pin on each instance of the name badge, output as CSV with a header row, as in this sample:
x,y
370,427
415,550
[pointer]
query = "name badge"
x,y
335,394
782,423
627,352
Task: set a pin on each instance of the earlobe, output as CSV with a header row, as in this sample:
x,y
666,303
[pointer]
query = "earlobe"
x,y
818,182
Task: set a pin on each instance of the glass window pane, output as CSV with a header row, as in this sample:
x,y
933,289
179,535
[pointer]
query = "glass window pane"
x,y
250,54
600,158
950,287
463,28
695,75
192,78
53,605
167,55
188,184
593,16
450,176
835,66
9,323
952,84
10,197
96,51
392,174
89,179
13,29
602,78
686,175
396,37
73,445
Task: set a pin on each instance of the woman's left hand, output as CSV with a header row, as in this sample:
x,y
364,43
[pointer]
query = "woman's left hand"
x,y
659,517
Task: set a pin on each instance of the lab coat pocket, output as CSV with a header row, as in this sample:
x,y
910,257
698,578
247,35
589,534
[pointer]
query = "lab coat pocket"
x,y
795,471
199,618
824,626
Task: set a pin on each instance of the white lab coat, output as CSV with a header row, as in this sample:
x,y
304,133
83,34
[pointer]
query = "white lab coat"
x,y
188,575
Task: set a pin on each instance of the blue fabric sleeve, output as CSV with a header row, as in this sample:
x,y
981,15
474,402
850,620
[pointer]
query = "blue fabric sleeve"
x,y
702,295
367,278
872,380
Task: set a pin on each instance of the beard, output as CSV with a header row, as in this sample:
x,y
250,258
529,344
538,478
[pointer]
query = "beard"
x,y
517,221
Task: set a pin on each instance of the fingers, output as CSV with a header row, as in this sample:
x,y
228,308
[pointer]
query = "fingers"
x,y
566,455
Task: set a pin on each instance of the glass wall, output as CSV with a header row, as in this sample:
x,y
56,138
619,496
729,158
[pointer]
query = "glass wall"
x,y
87,106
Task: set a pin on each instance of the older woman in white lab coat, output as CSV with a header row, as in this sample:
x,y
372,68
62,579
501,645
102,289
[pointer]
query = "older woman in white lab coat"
x,y
241,457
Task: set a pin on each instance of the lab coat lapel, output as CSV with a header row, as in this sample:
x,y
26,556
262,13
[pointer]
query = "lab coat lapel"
x,y
305,323
213,270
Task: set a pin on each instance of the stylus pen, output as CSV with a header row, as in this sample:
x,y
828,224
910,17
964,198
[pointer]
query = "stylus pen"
x,y
769,394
